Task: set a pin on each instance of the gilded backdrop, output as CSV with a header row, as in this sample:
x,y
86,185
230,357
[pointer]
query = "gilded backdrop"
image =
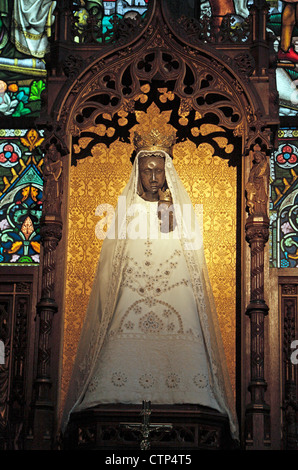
x,y
100,178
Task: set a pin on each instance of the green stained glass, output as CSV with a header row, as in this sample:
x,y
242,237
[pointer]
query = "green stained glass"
x,y
284,201
25,26
21,186
21,98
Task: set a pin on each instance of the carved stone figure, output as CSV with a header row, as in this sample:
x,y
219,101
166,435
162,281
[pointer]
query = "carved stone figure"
x,y
257,186
53,181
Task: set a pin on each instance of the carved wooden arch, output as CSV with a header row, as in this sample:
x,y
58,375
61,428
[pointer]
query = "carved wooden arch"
x,y
205,81
201,78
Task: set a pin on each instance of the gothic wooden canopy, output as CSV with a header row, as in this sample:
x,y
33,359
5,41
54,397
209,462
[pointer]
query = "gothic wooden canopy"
x,y
215,74
214,78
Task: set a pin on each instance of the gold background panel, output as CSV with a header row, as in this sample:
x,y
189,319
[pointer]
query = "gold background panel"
x,y
212,183
100,179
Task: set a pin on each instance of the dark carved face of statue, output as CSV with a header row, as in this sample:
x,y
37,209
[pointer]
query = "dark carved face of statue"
x,y
53,153
152,176
259,157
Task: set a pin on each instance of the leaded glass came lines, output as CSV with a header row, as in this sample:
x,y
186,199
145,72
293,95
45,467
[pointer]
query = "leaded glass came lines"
x,y
21,186
284,201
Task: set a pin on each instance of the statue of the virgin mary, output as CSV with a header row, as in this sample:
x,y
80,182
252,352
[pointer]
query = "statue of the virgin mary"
x,y
151,330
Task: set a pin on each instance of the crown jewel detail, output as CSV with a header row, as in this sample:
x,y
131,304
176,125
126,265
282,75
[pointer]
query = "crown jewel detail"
x,y
154,140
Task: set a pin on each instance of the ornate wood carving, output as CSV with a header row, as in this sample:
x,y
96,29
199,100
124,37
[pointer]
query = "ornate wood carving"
x,y
257,432
120,85
192,428
14,316
41,429
289,318
203,80
4,371
206,29
257,186
257,234
98,85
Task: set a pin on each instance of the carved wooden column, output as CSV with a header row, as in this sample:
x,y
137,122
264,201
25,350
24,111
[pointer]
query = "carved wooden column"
x,y
257,412
41,432
257,432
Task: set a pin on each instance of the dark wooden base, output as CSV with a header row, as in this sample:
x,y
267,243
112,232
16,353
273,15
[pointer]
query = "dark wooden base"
x,y
104,428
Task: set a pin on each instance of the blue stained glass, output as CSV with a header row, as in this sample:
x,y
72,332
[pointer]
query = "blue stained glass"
x,y
19,222
284,202
21,187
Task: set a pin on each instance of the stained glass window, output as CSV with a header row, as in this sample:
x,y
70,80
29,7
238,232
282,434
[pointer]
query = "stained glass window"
x,y
94,19
286,46
282,22
284,201
25,26
21,187
21,98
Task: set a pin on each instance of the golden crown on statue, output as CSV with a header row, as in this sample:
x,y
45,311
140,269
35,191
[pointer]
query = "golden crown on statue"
x,y
154,141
